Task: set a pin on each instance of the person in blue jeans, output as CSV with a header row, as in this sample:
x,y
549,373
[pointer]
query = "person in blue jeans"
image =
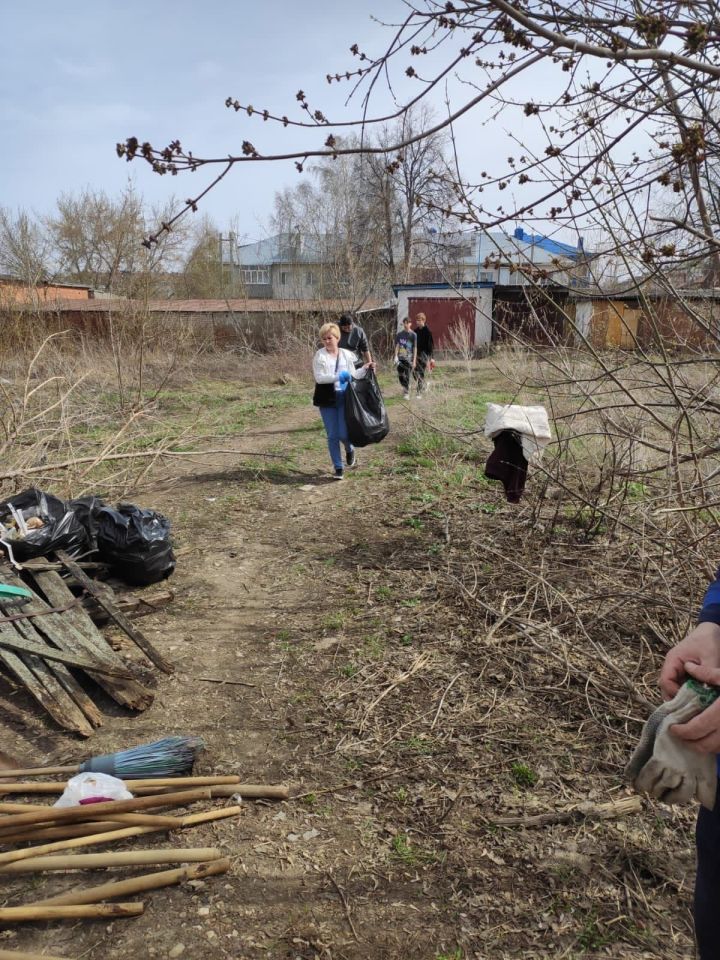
x,y
698,656
333,368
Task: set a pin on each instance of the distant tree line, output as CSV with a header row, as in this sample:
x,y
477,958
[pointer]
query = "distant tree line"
x,y
358,212
95,239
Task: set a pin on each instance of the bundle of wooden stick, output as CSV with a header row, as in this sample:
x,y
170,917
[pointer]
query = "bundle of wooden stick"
x,y
52,831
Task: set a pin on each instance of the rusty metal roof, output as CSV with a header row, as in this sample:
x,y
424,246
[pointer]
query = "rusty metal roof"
x,y
244,305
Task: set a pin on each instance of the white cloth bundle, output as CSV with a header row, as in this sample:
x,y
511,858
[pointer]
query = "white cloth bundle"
x,y
530,422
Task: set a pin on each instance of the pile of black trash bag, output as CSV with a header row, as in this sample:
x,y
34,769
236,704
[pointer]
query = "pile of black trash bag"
x,y
135,543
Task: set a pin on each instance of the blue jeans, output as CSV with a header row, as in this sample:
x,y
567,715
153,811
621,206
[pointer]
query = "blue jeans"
x,y
707,882
336,429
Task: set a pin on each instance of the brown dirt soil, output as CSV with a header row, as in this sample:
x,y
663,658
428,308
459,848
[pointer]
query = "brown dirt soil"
x,y
404,726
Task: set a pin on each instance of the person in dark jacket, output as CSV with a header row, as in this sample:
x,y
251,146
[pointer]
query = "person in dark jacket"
x,y
352,337
698,656
405,356
425,348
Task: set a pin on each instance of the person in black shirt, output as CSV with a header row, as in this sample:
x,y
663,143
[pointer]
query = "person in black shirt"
x,y
425,347
352,337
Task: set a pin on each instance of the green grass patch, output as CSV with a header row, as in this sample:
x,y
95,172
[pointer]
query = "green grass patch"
x,y
409,854
428,445
523,775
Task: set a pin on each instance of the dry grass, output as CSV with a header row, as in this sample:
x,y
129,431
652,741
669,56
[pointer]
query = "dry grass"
x,y
495,663
82,414
467,678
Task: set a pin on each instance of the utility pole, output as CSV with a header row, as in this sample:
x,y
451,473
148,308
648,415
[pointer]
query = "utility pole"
x,y
231,241
222,265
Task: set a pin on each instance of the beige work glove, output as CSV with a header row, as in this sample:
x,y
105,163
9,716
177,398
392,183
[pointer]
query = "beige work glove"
x,y
667,768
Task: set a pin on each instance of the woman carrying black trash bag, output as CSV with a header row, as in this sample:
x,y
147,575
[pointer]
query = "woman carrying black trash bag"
x,y
333,368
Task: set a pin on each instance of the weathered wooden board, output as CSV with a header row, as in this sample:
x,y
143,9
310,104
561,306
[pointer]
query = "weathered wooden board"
x,y
68,634
73,630
49,670
117,616
48,694
19,645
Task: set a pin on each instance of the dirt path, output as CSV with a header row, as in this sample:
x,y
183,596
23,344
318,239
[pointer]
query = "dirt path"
x,y
258,595
357,668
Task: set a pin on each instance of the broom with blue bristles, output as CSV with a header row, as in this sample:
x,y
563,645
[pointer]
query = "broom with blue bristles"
x,y
170,757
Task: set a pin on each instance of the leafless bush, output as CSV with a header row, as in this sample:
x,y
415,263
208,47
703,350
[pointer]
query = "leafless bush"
x,y
462,343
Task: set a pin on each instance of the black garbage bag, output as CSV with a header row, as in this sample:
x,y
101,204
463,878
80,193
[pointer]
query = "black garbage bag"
x,y
136,543
87,510
61,528
365,413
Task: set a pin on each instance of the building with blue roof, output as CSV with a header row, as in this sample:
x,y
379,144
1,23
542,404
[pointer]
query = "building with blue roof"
x,y
516,259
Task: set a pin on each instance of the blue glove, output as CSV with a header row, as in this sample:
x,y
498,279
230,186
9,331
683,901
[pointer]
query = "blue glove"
x,y
344,377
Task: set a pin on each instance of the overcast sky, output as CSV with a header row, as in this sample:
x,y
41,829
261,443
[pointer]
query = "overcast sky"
x,y
77,77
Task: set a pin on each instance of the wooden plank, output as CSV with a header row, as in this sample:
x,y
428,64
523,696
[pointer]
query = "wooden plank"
x,y
50,653
117,616
78,634
131,606
57,671
49,695
54,676
42,564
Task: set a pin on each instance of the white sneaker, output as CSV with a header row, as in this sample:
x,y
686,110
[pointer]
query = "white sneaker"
x,y
406,396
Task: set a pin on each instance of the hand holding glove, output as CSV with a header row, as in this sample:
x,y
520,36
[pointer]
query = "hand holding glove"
x,y
664,766
343,380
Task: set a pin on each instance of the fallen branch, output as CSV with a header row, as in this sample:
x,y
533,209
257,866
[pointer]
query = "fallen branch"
x,y
136,455
421,662
236,683
582,811
345,904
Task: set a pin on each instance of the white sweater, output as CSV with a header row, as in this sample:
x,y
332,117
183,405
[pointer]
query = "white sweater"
x,y
324,366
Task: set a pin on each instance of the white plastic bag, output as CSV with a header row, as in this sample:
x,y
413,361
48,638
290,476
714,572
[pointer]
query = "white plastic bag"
x,y
92,788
